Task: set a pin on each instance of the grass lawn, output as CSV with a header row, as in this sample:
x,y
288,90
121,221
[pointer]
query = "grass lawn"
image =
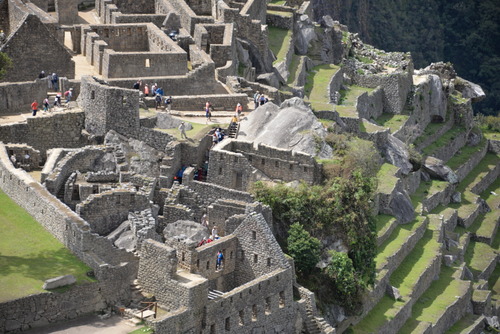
x,y
463,325
29,254
369,127
282,14
443,140
392,121
386,178
349,98
196,133
485,224
383,312
464,155
441,294
489,162
383,222
427,189
143,330
414,265
293,68
478,256
279,42
277,2
396,240
316,86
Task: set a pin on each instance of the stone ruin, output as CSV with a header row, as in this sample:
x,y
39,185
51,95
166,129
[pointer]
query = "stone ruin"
x,y
109,188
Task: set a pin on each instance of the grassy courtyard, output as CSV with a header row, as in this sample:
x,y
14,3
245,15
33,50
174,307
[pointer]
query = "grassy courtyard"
x,y
29,254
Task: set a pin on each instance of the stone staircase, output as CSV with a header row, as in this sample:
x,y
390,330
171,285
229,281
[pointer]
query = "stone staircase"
x,y
232,131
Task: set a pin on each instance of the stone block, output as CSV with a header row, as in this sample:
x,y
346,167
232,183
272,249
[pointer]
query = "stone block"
x,y
56,282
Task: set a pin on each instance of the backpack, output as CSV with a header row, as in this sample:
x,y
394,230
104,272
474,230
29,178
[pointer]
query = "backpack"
x,y
66,93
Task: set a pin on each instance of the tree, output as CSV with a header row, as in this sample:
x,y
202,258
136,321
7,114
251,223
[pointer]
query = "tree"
x,y
304,248
5,64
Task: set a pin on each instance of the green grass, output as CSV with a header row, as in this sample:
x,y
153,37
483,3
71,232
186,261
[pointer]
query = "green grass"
x,y
489,162
441,294
279,42
278,13
396,240
316,86
368,127
383,222
478,256
383,312
490,134
277,2
485,224
30,255
294,68
348,100
494,282
392,121
463,324
443,140
464,155
143,330
430,130
196,133
386,178
427,189
414,265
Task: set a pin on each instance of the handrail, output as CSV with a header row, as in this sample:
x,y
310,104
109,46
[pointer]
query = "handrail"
x,y
150,304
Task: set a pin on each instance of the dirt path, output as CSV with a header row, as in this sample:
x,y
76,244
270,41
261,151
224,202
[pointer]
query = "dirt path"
x,y
89,324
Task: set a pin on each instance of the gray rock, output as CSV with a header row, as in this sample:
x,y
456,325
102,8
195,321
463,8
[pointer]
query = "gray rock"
x,y
437,169
187,231
424,176
392,292
438,99
456,197
470,90
483,206
492,322
127,241
113,236
56,282
448,260
396,153
12,325
467,274
451,244
402,208
271,79
474,138
292,125
327,21
172,21
166,121
304,35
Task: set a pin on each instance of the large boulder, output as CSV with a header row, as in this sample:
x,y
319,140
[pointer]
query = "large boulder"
x,y
186,231
396,153
402,208
166,121
291,126
438,99
437,169
469,90
56,282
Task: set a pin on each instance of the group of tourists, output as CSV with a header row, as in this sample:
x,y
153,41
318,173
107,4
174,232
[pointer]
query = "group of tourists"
x,y
217,136
259,99
157,92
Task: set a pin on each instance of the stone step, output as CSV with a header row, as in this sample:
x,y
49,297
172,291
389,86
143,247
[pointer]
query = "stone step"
x,y
481,259
446,146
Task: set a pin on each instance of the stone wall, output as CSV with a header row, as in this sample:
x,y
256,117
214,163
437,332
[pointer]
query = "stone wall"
x,y
67,11
447,151
137,7
43,133
453,313
232,164
494,146
370,105
203,260
488,179
104,212
23,47
64,224
221,102
188,17
120,18
213,192
472,162
17,97
108,108
258,251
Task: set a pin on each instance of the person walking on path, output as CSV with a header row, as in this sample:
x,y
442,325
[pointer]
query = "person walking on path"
x,y
220,258
55,82
256,97
182,129
168,103
34,107
146,90
46,104
68,94
158,101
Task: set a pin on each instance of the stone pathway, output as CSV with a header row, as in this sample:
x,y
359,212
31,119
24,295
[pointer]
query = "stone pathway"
x,y
89,324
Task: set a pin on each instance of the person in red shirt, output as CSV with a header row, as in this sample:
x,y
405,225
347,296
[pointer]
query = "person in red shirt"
x,y
34,107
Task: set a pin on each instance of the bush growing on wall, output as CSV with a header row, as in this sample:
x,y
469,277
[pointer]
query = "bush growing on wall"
x,y
5,64
303,248
339,208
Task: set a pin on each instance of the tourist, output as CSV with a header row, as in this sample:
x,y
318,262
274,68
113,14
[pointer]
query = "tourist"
x,y
204,220
146,90
214,232
34,107
208,113
57,100
202,242
55,82
159,91
158,101
182,129
154,87
215,139
137,85
256,97
220,258
46,104
239,108
168,103
68,94
42,75
262,99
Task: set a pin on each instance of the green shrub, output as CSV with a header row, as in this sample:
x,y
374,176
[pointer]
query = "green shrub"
x,y
416,159
488,123
5,64
303,248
